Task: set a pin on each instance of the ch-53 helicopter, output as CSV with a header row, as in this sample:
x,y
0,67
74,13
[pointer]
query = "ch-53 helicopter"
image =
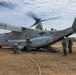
x,y
38,37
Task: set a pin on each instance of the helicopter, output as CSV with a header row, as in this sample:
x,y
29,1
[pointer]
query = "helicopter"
x,y
38,37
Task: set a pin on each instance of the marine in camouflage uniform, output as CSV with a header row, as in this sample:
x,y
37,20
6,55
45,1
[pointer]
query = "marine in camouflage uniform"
x,y
70,43
64,44
28,43
16,49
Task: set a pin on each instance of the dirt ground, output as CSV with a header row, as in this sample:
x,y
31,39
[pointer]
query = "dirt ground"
x,y
49,63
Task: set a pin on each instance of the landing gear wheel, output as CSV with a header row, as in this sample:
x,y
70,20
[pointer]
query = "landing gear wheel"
x,y
37,48
0,46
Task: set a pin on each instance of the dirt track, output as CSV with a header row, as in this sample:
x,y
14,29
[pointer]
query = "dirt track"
x,y
50,63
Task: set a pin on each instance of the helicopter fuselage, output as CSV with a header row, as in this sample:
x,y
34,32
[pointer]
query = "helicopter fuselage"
x,y
39,38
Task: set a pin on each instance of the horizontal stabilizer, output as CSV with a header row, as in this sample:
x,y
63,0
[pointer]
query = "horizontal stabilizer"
x,y
10,27
74,25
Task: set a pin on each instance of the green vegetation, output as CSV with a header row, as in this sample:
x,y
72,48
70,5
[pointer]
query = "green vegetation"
x,y
72,38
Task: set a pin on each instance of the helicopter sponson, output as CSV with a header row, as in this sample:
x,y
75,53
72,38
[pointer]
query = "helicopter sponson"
x,y
35,43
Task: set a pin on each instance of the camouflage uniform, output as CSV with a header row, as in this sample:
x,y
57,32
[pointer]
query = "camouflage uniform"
x,y
70,46
64,44
16,50
28,43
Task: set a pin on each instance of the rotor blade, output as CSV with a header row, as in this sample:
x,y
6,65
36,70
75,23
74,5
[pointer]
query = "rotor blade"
x,y
51,18
32,15
33,24
7,4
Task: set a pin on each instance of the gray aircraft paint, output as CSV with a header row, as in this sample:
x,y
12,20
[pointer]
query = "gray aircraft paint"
x,y
38,37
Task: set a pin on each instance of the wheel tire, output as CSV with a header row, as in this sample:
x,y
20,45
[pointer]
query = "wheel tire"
x,y
0,46
37,48
25,49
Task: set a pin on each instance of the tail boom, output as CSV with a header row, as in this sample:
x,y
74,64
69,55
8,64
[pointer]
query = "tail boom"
x,y
74,26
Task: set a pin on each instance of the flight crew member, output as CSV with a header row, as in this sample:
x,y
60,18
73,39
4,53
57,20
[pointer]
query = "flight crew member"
x,y
16,49
64,44
70,43
28,43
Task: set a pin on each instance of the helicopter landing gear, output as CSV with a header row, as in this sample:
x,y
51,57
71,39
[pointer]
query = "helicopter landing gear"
x,y
0,46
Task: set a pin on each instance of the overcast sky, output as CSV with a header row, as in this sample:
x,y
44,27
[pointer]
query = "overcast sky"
x,y
15,12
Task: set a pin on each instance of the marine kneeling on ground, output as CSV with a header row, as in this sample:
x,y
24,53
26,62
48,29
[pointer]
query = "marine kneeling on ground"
x,y
16,50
